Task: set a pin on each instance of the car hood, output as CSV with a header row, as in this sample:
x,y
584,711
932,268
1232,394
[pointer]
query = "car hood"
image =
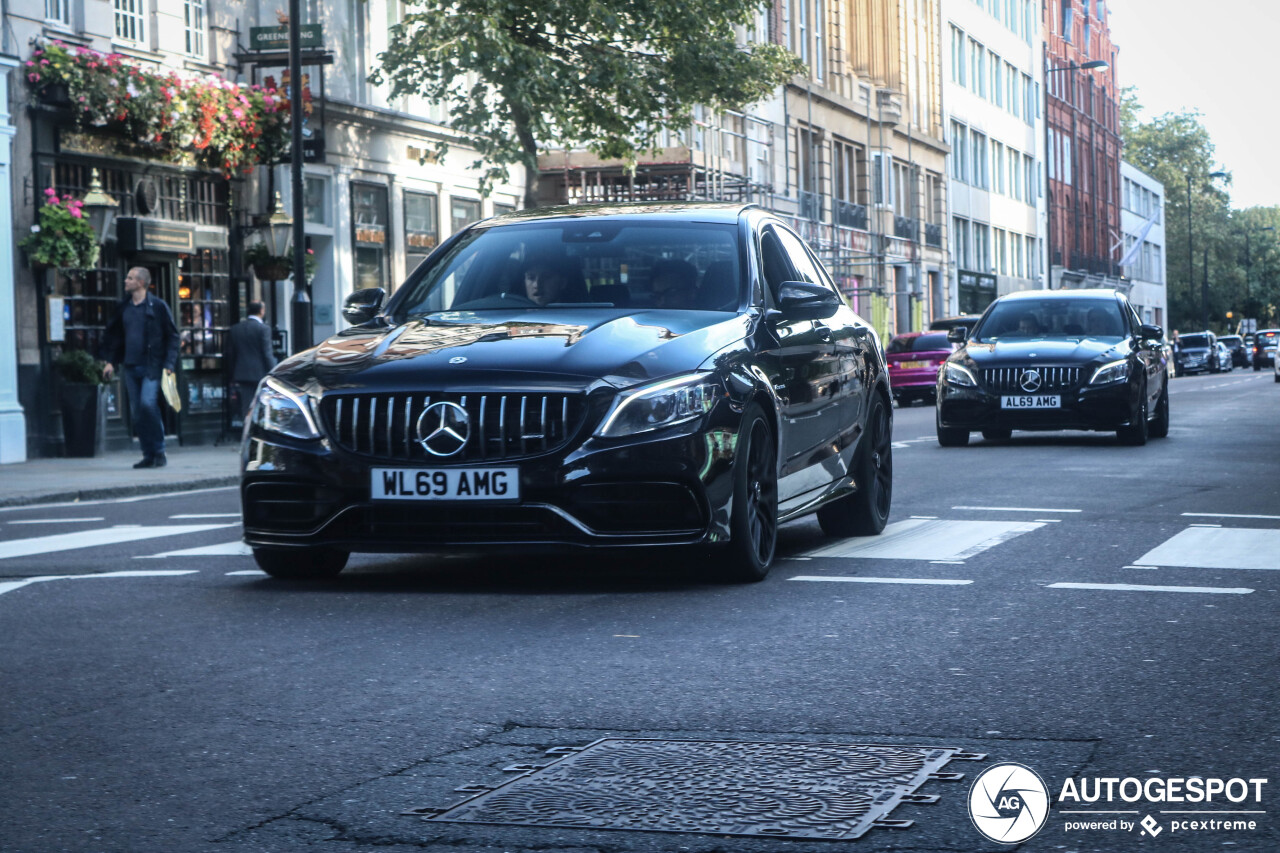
x,y
455,350
1069,351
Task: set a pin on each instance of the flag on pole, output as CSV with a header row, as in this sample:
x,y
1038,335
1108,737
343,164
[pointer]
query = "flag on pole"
x,y
1132,255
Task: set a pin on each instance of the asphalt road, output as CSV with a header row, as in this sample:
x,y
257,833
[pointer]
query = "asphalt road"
x,y
1058,601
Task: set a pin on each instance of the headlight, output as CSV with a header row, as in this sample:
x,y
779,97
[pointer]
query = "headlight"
x,y
955,374
1114,371
283,409
666,403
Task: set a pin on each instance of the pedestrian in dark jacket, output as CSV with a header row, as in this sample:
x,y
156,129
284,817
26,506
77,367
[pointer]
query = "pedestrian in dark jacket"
x,y
143,338
249,356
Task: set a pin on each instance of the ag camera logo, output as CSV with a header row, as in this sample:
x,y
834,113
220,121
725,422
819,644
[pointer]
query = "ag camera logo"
x,y
1008,803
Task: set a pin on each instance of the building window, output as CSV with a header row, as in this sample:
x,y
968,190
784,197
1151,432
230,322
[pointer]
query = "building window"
x,y
960,243
881,178
421,227
977,68
500,208
58,12
130,21
997,79
463,211
982,246
980,173
369,216
195,25
959,152
315,202
958,67
845,174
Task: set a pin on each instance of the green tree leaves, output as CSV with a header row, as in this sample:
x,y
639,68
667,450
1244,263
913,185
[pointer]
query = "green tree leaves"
x,y
606,75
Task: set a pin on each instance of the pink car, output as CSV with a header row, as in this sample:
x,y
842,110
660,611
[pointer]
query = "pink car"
x,y
914,359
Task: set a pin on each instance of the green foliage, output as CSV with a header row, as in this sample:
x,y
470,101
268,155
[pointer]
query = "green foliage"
x,y
606,75
61,235
77,366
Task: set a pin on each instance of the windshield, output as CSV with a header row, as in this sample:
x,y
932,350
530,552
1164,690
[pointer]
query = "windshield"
x,y
919,343
1036,319
605,263
1194,341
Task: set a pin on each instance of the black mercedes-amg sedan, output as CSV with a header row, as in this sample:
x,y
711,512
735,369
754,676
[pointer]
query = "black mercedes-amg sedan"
x,y
683,375
1055,360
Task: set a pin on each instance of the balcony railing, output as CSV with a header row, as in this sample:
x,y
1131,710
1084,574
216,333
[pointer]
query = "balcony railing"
x,y
810,206
904,227
851,215
932,235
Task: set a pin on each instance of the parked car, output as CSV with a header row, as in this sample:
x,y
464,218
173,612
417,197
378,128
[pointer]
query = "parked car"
x,y
946,324
1058,360
1196,352
1235,345
914,359
706,385
1275,368
1225,364
1264,347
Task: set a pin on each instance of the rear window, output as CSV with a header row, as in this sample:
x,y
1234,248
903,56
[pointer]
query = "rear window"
x,y
1194,340
1268,337
919,343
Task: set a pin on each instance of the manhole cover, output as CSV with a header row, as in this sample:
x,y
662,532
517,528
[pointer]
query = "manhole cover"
x,y
793,790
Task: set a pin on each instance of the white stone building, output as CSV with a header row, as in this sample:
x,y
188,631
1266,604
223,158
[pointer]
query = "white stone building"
x,y
1143,258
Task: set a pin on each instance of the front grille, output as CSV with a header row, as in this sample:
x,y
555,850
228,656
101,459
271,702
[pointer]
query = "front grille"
x,y
502,426
1008,380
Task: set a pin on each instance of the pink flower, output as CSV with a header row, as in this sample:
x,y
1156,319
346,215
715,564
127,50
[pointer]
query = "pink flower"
x,y
75,211
34,78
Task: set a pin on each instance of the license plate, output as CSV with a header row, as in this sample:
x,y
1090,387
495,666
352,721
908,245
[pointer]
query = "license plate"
x,y
445,484
1052,401
910,364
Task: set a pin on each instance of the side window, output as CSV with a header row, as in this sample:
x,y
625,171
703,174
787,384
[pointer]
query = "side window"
x,y
804,265
773,258
1134,320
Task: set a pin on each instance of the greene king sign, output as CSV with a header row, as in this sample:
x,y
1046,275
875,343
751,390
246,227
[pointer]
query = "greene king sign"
x,y
277,38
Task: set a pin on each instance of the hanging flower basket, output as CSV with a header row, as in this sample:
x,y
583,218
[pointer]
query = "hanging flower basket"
x,y
273,269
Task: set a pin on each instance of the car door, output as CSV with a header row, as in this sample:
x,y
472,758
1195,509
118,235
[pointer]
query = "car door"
x,y
807,375
1151,356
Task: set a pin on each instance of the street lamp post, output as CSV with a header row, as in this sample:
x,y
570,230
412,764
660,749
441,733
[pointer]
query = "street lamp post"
x,y
1191,274
301,305
1048,153
1248,258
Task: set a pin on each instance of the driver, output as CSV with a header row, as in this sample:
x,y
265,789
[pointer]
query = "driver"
x,y
543,284
1028,325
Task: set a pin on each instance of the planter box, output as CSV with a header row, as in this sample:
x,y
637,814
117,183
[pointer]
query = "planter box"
x,y
84,418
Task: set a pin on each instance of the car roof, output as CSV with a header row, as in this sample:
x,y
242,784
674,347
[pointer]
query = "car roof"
x,y
707,211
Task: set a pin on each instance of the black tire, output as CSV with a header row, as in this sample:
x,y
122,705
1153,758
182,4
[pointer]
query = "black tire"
x,y
1160,423
866,511
997,434
300,564
753,527
950,436
1277,377
1136,434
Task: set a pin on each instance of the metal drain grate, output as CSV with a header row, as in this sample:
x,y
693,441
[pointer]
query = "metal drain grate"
x,y
790,790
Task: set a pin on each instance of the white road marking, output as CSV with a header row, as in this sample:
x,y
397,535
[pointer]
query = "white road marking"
x,y
54,520
10,586
1217,548
1230,515
208,515
1133,587
96,538
1050,520
926,581
1015,509
921,539
225,549
247,572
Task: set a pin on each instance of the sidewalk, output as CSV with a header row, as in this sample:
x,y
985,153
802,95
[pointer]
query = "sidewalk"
x,y
112,475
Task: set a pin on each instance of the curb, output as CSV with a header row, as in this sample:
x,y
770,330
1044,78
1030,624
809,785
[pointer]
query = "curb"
x,y
134,490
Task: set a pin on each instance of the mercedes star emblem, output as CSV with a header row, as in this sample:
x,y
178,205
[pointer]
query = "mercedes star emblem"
x,y
443,429
1030,381
458,359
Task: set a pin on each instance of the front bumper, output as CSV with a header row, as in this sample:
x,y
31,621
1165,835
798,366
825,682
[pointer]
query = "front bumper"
x,y
1102,408
673,488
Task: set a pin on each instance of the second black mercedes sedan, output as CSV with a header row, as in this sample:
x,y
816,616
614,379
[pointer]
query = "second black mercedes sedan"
x,y
622,376
1056,360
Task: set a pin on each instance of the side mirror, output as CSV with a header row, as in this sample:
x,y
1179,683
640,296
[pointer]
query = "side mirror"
x,y
1148,332
804,300
363,305
957,334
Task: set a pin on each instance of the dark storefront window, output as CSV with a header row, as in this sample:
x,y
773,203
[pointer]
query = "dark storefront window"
x,y
204,316
464,211
369,216
421,227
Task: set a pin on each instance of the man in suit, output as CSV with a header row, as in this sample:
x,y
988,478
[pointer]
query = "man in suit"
x,y
249,357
